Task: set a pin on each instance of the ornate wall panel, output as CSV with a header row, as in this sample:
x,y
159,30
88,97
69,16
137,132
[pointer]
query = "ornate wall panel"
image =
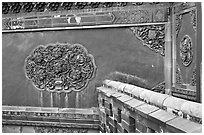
x,y
186,46
60,67
113,49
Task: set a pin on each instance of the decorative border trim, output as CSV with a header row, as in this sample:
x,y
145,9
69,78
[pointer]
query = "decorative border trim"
x,y
50,124
88,17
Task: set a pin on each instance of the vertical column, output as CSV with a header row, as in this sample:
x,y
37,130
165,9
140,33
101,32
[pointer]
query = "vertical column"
x,y
77,100
51,99
167,59
41,98
199,53
58,99
66,100
173,51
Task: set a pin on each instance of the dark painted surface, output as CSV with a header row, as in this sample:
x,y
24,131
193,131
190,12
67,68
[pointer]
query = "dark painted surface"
x,y
114,49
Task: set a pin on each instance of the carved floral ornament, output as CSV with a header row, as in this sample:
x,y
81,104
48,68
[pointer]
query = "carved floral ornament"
x,y
193,77
186,52
153,36
59,130
186,46
179,79
60,67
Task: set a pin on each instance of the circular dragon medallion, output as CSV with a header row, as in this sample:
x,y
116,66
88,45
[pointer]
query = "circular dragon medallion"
x,y
186,53
60,67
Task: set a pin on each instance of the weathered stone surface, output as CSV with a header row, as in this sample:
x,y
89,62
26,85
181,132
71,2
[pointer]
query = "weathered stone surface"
x,y
133,103
28,129
121,87
158,99
174,103
146,95
11,129
33,109
162,116
10,108
192,108
134,115
128,89
158,120
124,98
102,89
129,127
64,117
140,127
146,109
137,91
93,131
105,82
110,92
114,84
116,95
183,126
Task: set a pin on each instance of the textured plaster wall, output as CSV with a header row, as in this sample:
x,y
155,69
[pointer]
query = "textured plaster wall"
x,y
114,49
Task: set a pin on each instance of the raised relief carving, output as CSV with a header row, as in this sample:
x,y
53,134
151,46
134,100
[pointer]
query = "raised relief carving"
x,y
59,130
178,22
194,19
186,50
132,16
159,15
40,15
179,79
193,77
60,67
153,36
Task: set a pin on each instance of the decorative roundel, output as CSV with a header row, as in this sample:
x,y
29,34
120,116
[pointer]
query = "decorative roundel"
x,y
186,52
60,67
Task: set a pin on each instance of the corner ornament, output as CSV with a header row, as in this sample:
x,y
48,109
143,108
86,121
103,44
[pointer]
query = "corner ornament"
x,y
60,67
153,36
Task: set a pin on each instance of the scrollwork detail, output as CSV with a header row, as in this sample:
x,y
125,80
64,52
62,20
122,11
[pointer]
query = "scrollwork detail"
x,y
59,130
193,77
186,52
178,23
179,79
153,36
132,16
194,19
60,67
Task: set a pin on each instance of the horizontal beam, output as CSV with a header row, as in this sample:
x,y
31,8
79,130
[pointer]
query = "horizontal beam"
x,y
81,27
